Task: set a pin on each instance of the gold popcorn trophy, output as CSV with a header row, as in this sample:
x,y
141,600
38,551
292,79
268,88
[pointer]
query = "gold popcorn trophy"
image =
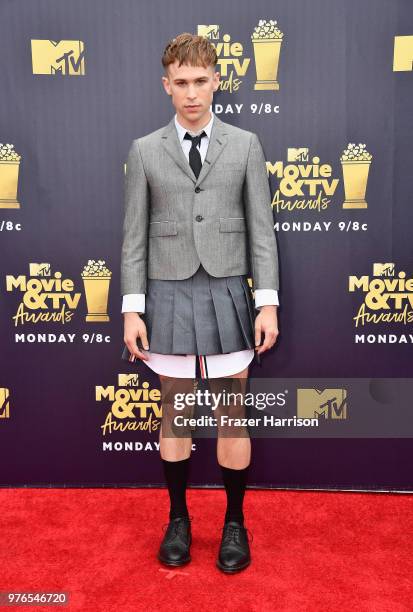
x,y
96,280
4,403
9,175
266,40
355,162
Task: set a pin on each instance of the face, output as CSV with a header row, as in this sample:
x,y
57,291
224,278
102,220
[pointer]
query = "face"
x,y
192,89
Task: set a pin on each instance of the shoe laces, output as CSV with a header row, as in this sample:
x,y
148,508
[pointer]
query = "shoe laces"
x,y
177,524
231,532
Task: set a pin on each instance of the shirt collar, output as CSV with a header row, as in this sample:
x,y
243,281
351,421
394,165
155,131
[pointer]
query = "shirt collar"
x,y
182,131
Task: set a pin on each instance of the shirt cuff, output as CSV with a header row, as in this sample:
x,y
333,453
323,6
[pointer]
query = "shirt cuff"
x,y
133,302
266,297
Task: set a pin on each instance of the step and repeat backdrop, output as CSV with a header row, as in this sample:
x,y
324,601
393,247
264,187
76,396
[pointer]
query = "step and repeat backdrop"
x,y
328,87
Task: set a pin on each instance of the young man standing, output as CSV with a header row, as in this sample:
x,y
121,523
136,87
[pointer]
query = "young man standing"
x,y
197,223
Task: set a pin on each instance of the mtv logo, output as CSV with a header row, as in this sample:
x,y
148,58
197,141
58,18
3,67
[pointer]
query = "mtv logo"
x,y
383,269
40,269
403,54
209,31
4,403
322,403
65,57
296,155
128,380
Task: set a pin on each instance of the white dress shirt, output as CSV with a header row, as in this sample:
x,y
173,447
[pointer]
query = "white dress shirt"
x,y
183,366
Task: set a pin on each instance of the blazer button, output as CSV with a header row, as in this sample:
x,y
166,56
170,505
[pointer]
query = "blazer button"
x,y
199,217
197,189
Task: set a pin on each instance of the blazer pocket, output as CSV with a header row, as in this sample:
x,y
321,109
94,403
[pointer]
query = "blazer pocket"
x,y
232,224
162,228
231,167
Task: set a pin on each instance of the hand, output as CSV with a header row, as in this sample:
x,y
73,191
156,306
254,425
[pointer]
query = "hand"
x,y
134,327
266,321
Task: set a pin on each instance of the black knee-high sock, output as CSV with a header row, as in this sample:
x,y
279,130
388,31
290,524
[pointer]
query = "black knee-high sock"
x,y
176,476
235,482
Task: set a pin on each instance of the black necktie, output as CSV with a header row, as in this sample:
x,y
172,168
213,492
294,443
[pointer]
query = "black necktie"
x,y
194,154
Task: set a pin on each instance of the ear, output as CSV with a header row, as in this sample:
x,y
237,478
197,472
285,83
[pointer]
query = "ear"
x,y
166,85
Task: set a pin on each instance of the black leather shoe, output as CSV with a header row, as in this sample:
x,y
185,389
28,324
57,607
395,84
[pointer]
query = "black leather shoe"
x,y
174,549
234,553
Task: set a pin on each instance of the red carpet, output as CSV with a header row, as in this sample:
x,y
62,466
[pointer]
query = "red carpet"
x,y
311,551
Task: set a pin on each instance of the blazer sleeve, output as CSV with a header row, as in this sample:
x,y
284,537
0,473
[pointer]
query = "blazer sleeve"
x,y
133,273
261,236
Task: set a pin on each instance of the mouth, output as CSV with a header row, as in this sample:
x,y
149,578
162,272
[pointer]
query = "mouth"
x,y
192,106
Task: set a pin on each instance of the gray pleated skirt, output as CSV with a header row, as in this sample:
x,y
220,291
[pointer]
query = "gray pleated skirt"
x,y
200,315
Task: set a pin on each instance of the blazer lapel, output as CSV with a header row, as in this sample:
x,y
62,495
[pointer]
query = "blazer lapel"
x,y
170,141
217,143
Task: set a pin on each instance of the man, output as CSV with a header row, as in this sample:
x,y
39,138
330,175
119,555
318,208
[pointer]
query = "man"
x,y
197,223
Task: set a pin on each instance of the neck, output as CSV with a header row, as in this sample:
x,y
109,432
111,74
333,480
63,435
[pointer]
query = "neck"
x,y
195,126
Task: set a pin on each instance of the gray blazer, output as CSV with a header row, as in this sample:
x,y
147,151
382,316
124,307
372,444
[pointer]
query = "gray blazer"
x,y
173,221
